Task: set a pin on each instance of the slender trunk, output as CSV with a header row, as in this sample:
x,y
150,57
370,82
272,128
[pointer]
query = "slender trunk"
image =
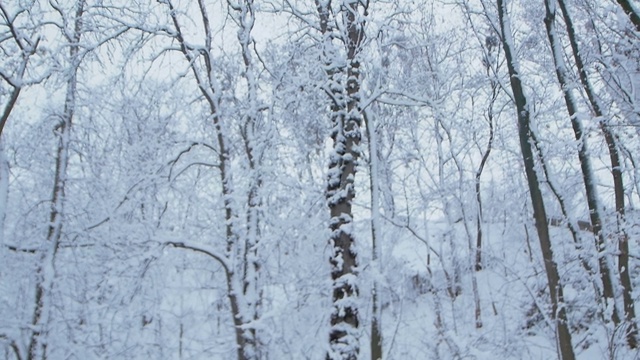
x,y
483,162
208,87
251,287
376,332
474,275
585,162
476,301
45,271
455,288
13,98
565,347
623,241
241,280
572,224
618,185
4,164
4,188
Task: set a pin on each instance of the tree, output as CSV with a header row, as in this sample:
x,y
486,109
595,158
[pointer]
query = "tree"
x,y
345,25
376,318
21,41
240,258
45,271
218,153
558,311
598,110
583,154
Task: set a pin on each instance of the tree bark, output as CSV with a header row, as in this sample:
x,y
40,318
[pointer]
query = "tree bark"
x,y
245,15
585,162
616,172
27,48
241,248
376,321
346,122
563,336
45,271
631,12
483,162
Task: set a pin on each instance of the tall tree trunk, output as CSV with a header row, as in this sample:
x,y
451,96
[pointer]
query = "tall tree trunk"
x,y
563,336
483,162
376,321
616,172
241,253
45,271
245,15
585,162
346,122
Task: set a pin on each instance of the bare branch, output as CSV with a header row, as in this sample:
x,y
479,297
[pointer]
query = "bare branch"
x,y
21,249
203,250
13,344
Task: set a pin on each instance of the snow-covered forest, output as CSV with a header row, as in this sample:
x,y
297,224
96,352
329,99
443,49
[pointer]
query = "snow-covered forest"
x,y
328,179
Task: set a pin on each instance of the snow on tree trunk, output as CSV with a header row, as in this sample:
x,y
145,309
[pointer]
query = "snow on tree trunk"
x,y
240,259
27,47
346,122
245,14
45,271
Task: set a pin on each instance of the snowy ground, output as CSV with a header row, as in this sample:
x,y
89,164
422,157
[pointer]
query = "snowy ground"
x,y
423,321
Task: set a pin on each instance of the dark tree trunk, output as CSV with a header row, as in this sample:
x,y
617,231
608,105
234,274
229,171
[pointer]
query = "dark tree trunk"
x,y
631,12
346,122
616,172
483,162
583,155
539,212
376,332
